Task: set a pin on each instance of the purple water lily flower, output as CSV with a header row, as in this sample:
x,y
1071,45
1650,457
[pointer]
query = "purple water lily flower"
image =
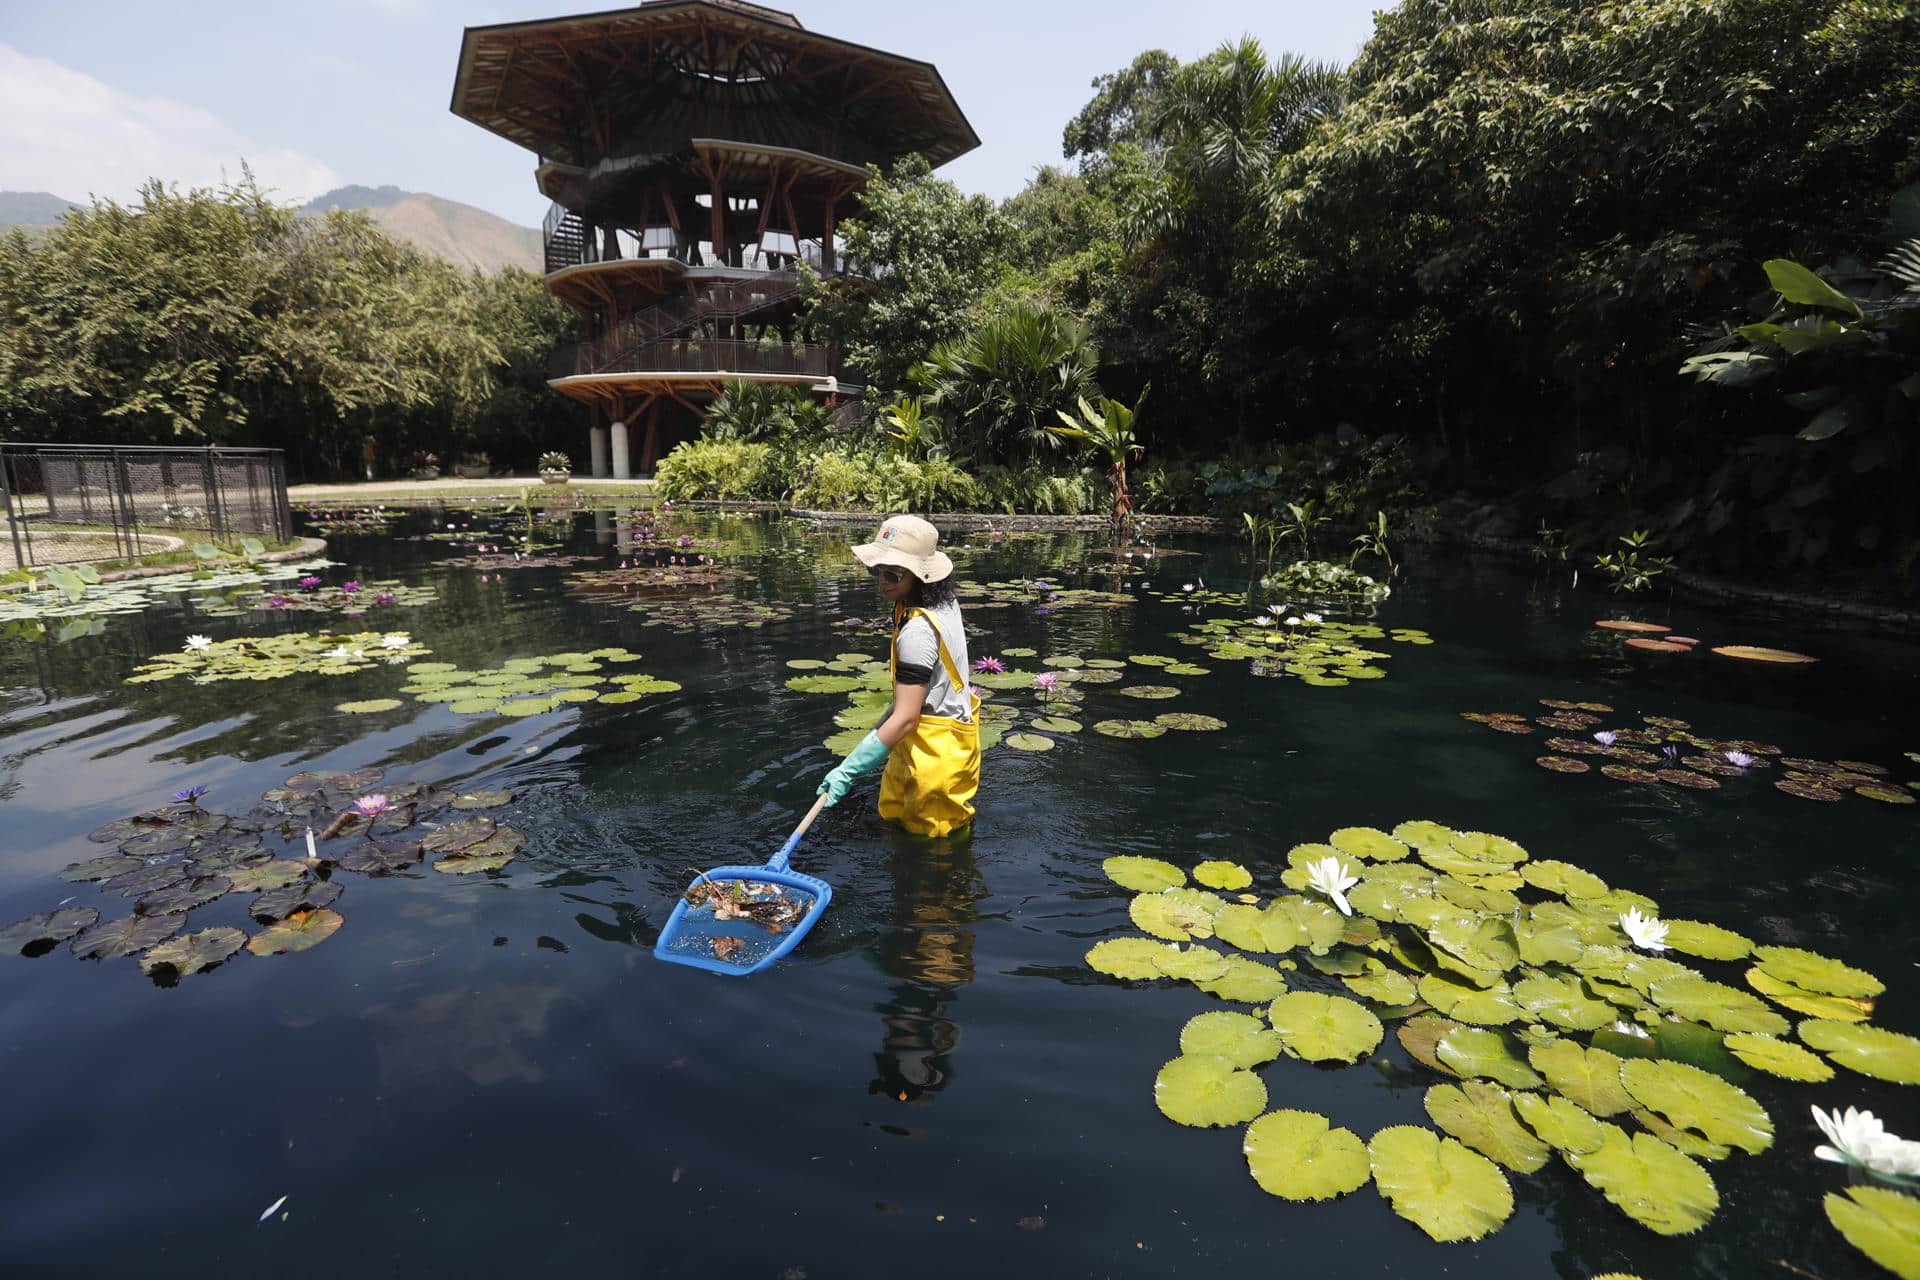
x,y
1671,752
309,582
1739,759
1046,682
992,666
1605,737
1043,612
350,586
190,796
278,602
686,539
371,806
383,597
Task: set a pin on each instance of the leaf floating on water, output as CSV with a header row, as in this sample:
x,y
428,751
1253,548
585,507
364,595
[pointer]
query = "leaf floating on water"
x,y
1323,1028
192,952
380,857
1223,875
1627,624
259,877
1241,1038
1175,914
1871,1051
1143,875
297,932
369,706
1057,724
1881,1223
184,896
1134,959
1476,1051
1760,653
1694,1099
1189,722
458,834
101,868
39,934
1481,1116
1151,692
1649,1181
1559,1123
1437,1184
1780,1058
1708,941
1130,728
1296,1155
1246,982
277,904
1207,1091
1028,742
1817,973
111,939
482,799
1587,1076
823,684
1721,1007
489,854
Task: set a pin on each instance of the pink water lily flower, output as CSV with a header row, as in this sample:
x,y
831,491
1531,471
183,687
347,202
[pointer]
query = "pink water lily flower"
x,y
309,582
1047,681
371,806
991,666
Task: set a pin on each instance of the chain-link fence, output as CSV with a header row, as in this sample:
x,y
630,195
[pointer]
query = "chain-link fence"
x,y
68,503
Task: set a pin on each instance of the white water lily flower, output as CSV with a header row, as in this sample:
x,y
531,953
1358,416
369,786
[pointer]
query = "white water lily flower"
x,y
197,643
1277,610
1187,587
397,640
1263,622
1860,1140
340,652
1311,617
1293,622
1331,877
1645,932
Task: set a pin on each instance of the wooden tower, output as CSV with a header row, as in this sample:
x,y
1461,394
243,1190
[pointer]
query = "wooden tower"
x,y
696,153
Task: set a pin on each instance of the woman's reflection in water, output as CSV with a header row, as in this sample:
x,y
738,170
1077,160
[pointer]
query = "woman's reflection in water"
x,y
928,945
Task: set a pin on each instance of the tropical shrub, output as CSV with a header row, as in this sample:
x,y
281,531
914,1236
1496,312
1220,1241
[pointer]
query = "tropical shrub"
x,y
716,469
1001,386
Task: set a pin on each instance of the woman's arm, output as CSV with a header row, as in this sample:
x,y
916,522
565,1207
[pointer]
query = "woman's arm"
x,y
908,700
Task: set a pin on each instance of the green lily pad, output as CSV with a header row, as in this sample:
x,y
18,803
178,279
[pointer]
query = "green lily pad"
x,y
1143,875
1478,1052
457,835
1188,722
262,876
1206,1091
1421,833
184,896
1383,986
806,664
1717,1005
1324,1028
1368,843
1811,1003
278,904
1421,1038
1562,1001
1483,1006
111,939
1437,1184
1589,1077
368,706
38,934
1559,1123
1872,1051
1694,1099
192,952
379,857
1135,959
1223,875
298,932
1057,724
481,799
1817,973
1175,914
1562,878
1246,982
1240,1038
1685,1141
1481,1116
1028,742
106,868
1649,1181
1883,1224
1708,941
1130,728
1780,1058
1150,692
1193,963
1296,1155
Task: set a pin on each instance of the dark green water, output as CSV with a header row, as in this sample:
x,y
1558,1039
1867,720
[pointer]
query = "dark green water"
x,y
493,1074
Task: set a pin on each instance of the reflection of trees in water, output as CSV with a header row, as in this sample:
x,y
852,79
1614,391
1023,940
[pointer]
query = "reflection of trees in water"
x,y
928,945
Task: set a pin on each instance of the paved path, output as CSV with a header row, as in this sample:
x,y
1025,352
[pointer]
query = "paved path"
x,y
452,487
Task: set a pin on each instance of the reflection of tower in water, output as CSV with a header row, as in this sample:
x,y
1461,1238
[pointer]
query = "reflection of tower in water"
x,y
928,945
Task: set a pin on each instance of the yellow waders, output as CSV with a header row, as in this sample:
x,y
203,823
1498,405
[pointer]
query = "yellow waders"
x,y
933,772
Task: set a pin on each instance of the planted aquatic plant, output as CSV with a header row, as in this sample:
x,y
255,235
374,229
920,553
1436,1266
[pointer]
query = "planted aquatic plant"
x,y
1515,982
1302,646
533,686
1324,578
275,657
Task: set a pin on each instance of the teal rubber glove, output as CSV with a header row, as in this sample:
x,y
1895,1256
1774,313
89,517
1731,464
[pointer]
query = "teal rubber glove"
x,y
868,756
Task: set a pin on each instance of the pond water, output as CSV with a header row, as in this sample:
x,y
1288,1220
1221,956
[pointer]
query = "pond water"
x,y
493,1072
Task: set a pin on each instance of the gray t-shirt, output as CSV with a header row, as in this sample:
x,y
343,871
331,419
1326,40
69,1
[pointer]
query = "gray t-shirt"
x,y
918,660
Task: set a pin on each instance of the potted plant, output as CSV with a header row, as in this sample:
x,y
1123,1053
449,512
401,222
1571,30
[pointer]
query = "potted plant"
x,y
474,466
424,465
554,467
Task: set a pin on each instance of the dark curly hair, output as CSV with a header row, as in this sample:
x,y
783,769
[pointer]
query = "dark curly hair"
x,y
927,595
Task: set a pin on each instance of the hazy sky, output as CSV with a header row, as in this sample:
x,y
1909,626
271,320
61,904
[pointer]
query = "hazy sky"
x,y
95,95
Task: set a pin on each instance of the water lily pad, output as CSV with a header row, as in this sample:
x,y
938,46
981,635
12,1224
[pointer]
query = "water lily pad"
x,y
1246,982
1323,1028
1143,875
1481,1116
1057,724
106,868
1478,1052
111,939
1628,624
1422,832
1240,1038
1206,1091
1685,1141
1587,1076
1028,742
1694,1099
1135,959
1872,1051
1193,963
481,799
1296,1155
1812,1003
1223,875
1719,1006
457,835
192,952
277,904
38,934
380,857
1559,1123
490,854
1708,941
1563,764
1886,793
1152,692
1807,790
1188,722
1881,1223
1130,728
1562,1001
298,932
1780,1058
1368,843
262,876
184,896
1649,1181
1436,1183
1464,1002
1813,972
1175,914
1760,653
369,706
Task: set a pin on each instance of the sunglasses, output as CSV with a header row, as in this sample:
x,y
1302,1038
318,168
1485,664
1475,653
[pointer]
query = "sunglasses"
x,y
886,574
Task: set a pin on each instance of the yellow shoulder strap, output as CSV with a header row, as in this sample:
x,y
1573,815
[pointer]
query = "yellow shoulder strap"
x,y
946,659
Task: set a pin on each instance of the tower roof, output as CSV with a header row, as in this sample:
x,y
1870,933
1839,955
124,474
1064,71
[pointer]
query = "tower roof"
x,y
647,80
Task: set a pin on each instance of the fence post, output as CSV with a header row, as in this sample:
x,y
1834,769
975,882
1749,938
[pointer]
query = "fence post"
x,y
123,480
13,522
210,493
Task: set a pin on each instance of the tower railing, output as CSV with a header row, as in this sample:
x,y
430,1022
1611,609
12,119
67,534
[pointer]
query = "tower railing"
x,y
717,301
715,355
569,240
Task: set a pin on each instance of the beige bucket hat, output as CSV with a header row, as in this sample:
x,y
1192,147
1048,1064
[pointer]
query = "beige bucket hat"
x,y
910,543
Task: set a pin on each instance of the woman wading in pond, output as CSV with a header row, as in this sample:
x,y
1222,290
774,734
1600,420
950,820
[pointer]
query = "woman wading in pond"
x,y
930,741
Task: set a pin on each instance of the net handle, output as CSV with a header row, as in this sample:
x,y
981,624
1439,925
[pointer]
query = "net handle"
x,y
779,862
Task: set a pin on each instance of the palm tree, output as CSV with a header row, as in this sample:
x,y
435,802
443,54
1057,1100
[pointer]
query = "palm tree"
x,y
997,386
1109,431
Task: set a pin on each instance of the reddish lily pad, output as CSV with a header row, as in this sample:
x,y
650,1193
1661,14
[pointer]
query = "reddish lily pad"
x,y
1576,746
1885,794
37,935
456,836
1627,624
1861,766
1189,722
1629,773
1687,778
1561,764
1509,726
112,939
1656,646
299,931
1806,790
1760,653
193,952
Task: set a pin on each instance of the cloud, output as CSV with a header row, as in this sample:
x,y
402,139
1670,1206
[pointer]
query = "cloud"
x,y
64,131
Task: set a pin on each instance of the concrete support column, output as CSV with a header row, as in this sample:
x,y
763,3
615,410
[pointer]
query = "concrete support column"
x,y
603,527
597,450
622,470
623,533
